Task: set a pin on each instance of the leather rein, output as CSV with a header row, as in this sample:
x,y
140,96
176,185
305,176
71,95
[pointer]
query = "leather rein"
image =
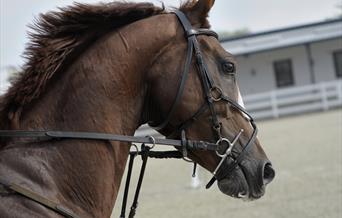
x,y
212,94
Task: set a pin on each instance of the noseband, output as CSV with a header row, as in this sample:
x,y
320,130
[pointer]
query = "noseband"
x,y
212,93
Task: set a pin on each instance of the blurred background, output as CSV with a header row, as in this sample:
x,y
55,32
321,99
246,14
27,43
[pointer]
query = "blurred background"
x,y
289,56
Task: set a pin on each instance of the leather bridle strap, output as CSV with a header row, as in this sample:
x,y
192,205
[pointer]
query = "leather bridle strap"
x,y
180,88
39,199
47,135
207,81
209,90
192,44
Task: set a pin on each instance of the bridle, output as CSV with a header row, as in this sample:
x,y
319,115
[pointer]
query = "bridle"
x,y
212,94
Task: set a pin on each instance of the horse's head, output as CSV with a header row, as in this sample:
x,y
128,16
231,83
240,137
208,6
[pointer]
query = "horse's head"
x,y
194,88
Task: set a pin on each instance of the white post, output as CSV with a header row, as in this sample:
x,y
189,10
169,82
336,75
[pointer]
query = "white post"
x,y
324,96
274,104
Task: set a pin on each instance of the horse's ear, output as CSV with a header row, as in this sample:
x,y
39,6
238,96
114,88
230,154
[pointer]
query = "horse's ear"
x,y
200,10
202,7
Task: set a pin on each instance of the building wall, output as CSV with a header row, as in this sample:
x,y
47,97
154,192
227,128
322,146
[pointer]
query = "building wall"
x,y
256,72
322,53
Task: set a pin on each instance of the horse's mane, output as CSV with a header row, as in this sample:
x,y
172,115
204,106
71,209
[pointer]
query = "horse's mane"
x,y
58,38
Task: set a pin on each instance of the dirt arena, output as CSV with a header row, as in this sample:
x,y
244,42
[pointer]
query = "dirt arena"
x,y
306,152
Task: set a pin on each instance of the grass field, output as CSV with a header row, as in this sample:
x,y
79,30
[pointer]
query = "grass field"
x,y
306,152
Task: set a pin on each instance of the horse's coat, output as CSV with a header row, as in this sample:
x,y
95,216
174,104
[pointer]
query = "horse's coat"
x,y
109,68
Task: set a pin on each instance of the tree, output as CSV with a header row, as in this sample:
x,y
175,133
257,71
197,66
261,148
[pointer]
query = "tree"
x,y
236,33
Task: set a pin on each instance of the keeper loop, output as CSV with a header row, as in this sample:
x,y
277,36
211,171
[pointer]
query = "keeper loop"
x,y
153,141
184,144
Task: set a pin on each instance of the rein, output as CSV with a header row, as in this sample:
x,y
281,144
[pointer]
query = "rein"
x,y
212,94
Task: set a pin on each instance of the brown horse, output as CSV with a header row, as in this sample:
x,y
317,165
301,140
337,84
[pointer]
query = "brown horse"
x,y
111,68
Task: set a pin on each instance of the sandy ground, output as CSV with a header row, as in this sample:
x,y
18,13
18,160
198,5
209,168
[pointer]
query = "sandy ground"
x,y
306,152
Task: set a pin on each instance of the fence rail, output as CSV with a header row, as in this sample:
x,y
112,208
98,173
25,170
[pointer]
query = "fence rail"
x,y
278,103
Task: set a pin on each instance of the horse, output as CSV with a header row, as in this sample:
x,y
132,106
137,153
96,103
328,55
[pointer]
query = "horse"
x,y
110,68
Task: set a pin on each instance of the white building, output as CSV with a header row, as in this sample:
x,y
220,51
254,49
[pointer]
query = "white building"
x,y
288,57
291,70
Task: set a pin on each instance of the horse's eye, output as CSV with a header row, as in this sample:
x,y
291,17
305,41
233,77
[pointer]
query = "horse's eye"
x,y
228,67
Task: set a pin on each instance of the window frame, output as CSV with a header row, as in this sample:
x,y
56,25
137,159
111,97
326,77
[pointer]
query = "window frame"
x,y
277,72
338,71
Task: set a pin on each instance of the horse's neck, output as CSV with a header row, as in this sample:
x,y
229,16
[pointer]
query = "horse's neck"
x,y
103,91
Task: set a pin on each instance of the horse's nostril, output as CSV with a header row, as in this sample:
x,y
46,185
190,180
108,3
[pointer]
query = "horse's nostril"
x,y
268,173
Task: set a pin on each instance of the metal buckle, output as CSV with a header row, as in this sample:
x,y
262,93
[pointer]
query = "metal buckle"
x,y
215,93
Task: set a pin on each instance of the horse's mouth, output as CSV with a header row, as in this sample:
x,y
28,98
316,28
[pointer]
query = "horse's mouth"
x,y
240,184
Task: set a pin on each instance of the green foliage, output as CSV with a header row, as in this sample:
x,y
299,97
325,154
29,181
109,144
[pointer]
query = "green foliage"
x,y
236,33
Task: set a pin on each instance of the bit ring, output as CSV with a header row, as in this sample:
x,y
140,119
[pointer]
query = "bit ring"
x,y
219,142
216,93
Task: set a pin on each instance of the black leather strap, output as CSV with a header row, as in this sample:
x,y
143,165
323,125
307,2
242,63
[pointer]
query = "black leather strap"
x,y
190,35
202,32
39,199
207,81
180,88
208,86
48,135
144,155
128,180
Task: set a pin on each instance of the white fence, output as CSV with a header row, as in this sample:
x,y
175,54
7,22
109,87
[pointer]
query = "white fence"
x,y
289,101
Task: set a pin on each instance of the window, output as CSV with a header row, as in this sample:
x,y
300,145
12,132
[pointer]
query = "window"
x,y
338,63
283,73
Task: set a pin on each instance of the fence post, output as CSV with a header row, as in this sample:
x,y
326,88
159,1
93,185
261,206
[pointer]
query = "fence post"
x,y
274,104
324,96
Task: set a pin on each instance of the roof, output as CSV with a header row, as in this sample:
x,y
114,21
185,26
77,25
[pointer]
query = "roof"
x,y
285,37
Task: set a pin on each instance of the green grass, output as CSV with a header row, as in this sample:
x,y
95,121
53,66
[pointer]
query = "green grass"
x,y
306,152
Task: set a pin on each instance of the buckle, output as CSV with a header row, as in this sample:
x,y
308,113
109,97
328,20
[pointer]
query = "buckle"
x,y
215,93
